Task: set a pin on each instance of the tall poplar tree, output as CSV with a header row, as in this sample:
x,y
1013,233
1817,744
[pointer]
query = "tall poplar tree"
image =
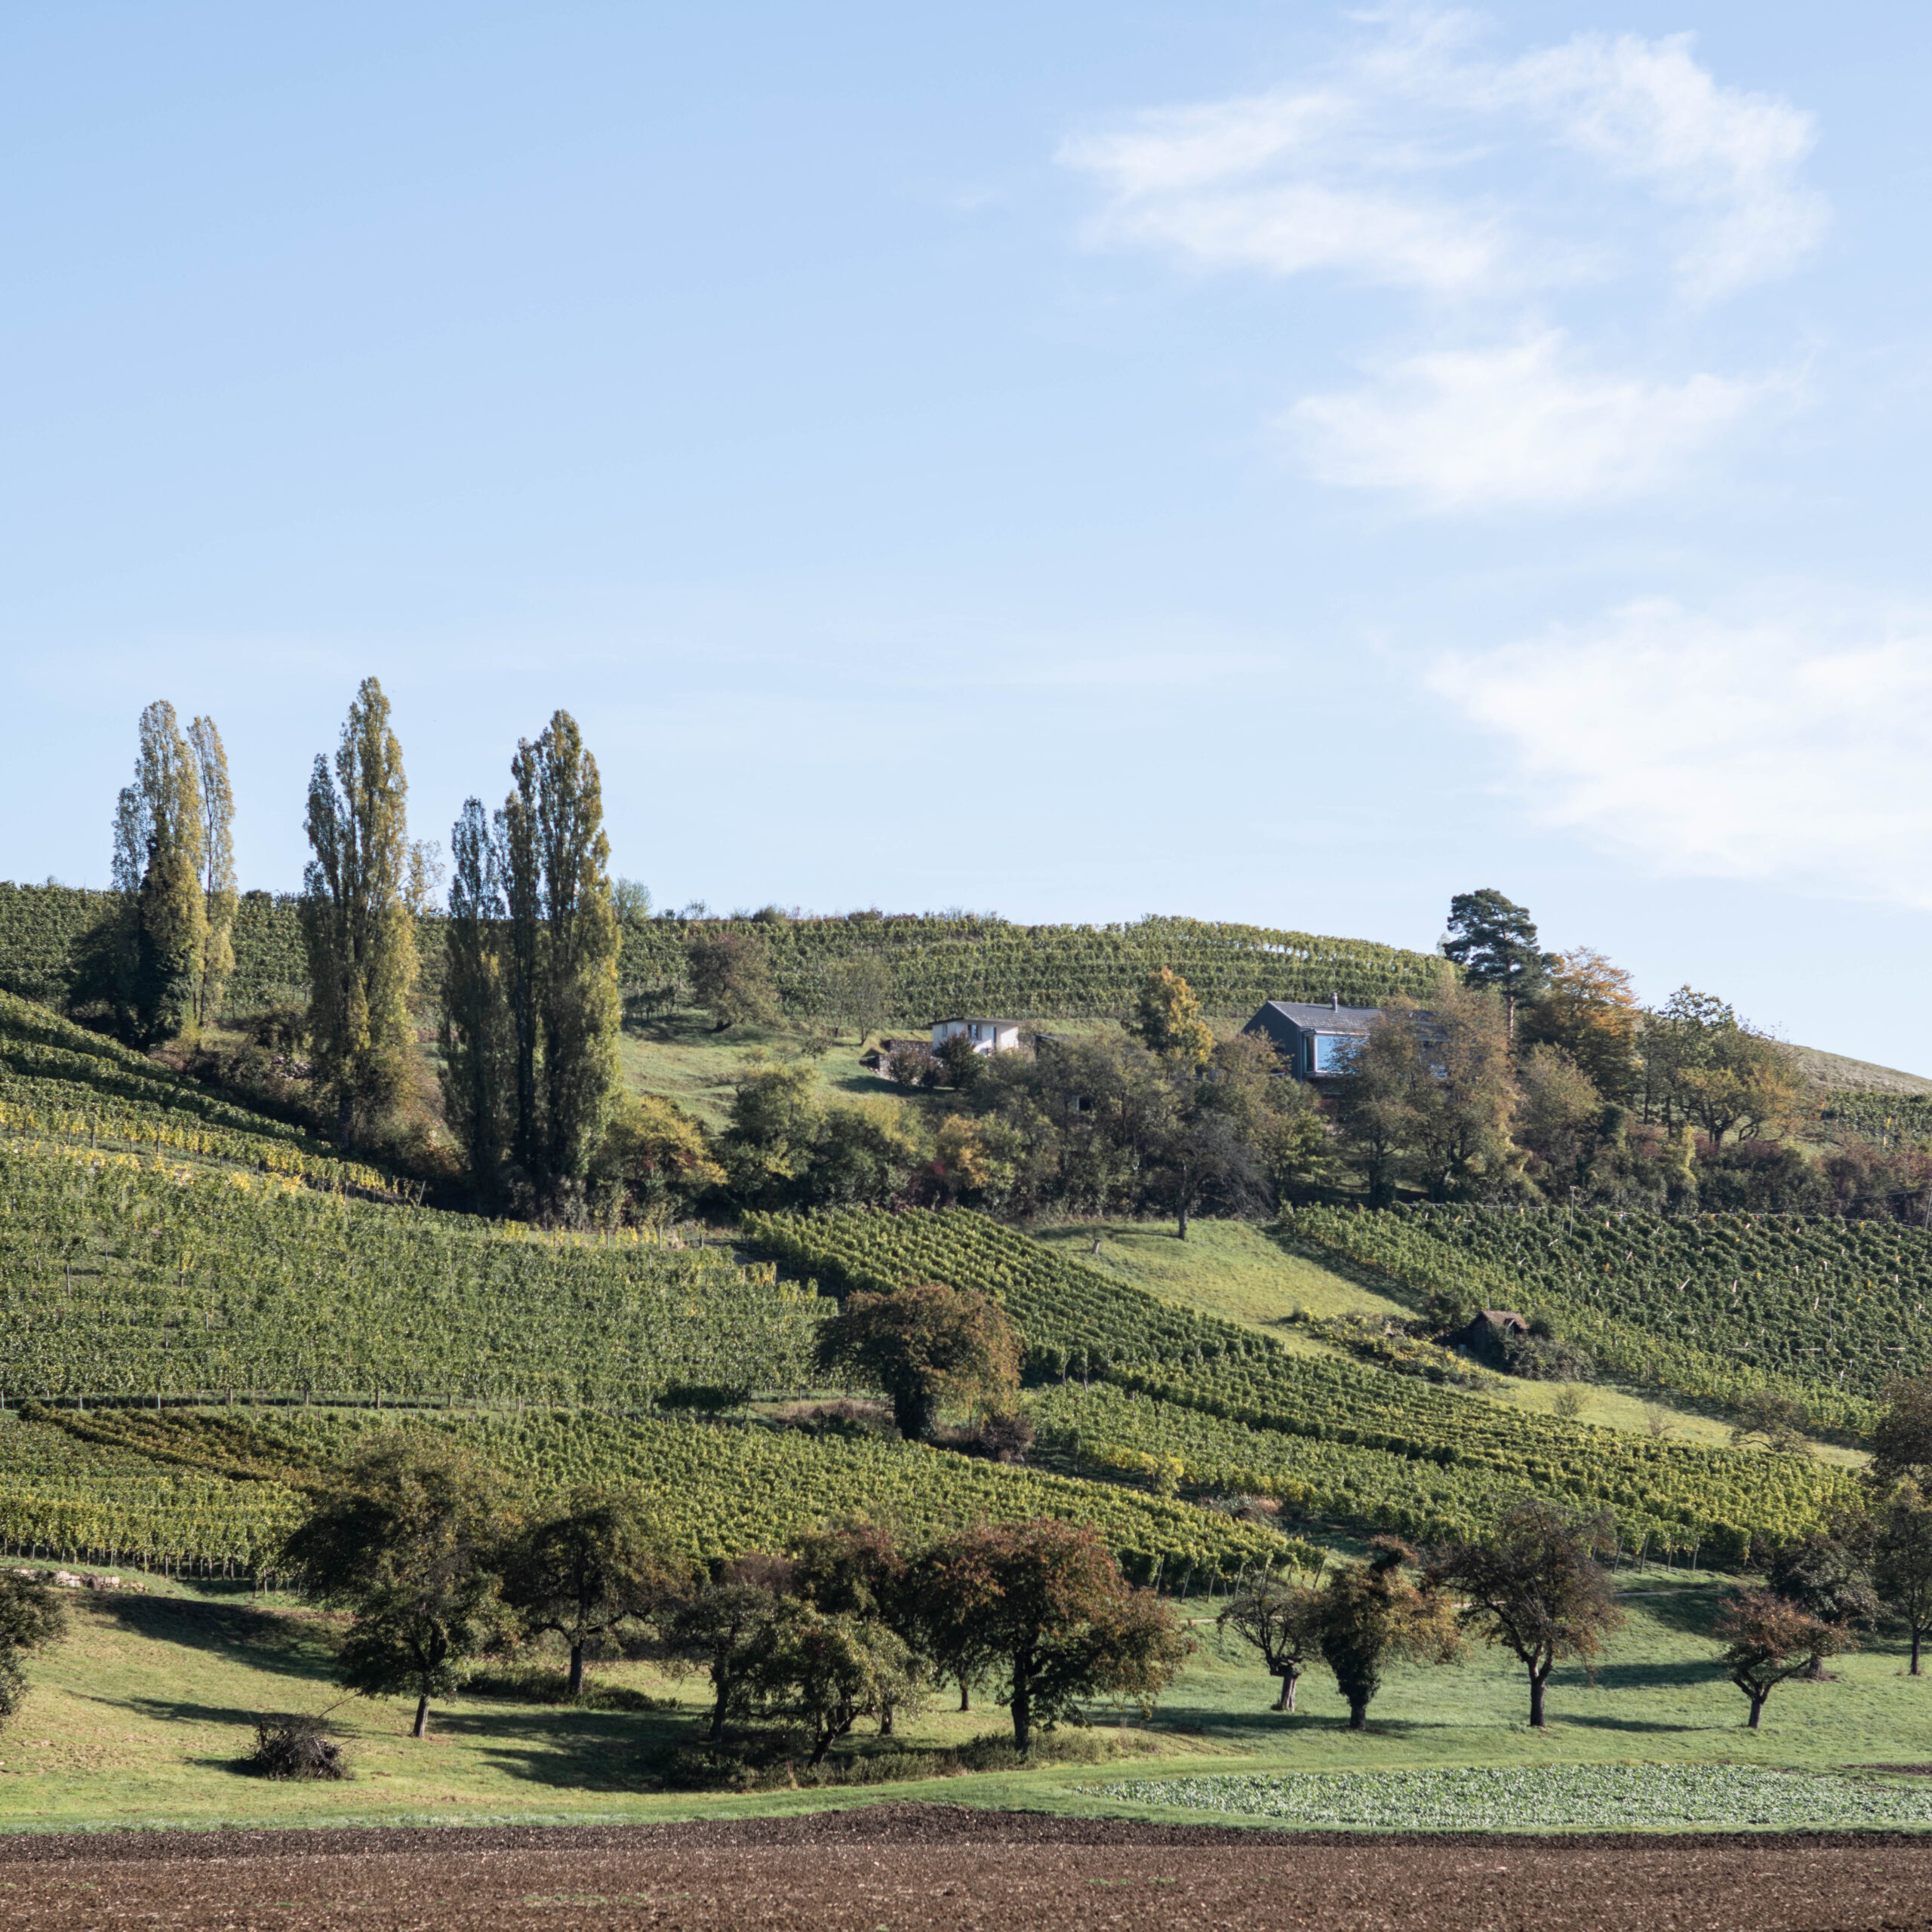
x,y
361,939
581,1011
479,1057
530,1004
219,896
158,848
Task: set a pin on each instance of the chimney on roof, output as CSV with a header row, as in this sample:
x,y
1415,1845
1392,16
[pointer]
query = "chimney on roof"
x,y
1335,1002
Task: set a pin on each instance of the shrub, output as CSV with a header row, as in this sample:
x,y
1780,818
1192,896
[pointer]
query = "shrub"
x,y
295,1745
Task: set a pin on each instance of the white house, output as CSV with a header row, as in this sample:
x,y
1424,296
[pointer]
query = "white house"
x,y
988,1036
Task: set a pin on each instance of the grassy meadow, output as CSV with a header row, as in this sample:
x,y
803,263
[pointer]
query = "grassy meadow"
x,y
142,1716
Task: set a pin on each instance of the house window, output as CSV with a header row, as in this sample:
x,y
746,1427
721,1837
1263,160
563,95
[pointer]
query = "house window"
x,y
1332,1051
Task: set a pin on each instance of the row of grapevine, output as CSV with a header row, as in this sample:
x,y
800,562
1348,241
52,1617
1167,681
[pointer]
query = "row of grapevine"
x,y
38,1048
1893,1117
1712,1306
936,964
80,1500
120,1483
54,1110
1673,1502
1078,1324
125,1277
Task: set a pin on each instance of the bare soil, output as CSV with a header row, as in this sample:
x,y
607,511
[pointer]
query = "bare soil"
x,y
907,1867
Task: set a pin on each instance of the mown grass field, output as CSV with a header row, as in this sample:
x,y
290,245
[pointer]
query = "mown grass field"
x,y
143,1713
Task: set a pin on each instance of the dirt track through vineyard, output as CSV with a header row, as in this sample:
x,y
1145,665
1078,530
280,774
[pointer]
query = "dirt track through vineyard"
x,y
908,1867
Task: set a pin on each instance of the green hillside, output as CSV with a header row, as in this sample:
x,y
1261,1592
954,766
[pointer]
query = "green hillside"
x,y
62,1082
207,1493
1711,1305
52,941
1336,1438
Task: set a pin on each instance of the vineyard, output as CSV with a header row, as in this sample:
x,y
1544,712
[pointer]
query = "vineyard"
x,y
1711,1305
51,936
59,1081
1891,1119
121,1277
188,1488
1388,1444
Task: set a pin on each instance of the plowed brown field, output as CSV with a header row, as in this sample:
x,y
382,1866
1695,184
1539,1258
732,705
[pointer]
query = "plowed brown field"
x,y
908,1867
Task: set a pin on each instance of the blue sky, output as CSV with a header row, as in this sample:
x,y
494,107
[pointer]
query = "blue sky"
x,y
1258,461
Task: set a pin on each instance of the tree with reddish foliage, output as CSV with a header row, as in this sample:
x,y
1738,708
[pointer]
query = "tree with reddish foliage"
x,y
923,1346
1767,1639
1533,1586
1052,1611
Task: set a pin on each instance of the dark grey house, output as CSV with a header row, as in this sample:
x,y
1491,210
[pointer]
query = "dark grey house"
x,y
1313,1040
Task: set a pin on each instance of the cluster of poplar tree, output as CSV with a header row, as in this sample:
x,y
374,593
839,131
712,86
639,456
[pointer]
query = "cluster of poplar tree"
x,y
530,1012
174,870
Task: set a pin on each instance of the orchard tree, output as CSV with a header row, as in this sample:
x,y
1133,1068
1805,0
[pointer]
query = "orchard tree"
x,y
361,938
407,1542
1494,941
1371,1615
924,1346
1278,1608
1767,1639
832,1668
1826,1572
1054,1615
1902,1561
585,1571
727,1626
1534,1586
1902,1437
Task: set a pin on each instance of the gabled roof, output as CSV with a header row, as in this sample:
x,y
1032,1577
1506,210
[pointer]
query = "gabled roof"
x,y
1316,1019
972,1019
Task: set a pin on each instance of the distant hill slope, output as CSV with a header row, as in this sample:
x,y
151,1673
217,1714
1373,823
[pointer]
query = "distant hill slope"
x,y
52,949
1845,1075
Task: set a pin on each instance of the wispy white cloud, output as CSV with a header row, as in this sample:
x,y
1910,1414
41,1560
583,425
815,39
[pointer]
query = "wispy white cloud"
x,y
1523,424
1504,186
1362,171
1790,747
1730,161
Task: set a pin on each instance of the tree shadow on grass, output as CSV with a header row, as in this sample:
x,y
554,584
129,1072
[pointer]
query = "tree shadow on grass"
x,y
261,1639
571,1750
1602,1723
1357,1273
1689,1607
1676,1674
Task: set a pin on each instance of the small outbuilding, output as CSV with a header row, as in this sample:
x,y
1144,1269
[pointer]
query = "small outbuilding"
x,y
1486,1333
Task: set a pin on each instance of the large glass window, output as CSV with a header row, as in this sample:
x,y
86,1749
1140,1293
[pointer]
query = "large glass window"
x,y
1332,1051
